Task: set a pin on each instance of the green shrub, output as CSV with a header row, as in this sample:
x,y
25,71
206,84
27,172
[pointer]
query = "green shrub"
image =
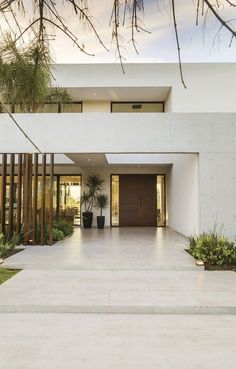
x,y
7,246
57,234
213,248
67,229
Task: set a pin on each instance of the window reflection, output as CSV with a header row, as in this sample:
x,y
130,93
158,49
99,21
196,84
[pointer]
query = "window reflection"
x,y
115,200
69,199
161,217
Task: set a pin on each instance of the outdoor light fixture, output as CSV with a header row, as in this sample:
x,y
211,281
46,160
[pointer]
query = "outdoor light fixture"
x,y
199,262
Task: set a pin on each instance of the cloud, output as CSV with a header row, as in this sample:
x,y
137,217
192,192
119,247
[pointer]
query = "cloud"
x,y
160,45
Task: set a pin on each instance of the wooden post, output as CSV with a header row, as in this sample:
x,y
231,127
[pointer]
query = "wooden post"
x,y
58,198
30,159
19,195
3,194
35,200
50,223
42,215
11,197
27,197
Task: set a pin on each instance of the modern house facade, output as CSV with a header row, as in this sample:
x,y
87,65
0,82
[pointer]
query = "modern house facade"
x,y
167,154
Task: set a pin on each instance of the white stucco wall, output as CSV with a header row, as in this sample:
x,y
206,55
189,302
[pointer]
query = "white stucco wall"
x,y
210,87
182,194
212,135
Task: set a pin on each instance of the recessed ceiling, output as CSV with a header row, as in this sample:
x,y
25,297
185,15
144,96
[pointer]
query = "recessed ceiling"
x,y
88,160
139,159
120,93
101,160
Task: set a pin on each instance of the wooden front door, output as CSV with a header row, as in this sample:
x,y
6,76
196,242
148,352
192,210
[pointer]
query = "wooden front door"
x,y
138,200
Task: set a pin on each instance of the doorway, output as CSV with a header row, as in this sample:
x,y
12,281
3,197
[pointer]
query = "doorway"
x,y
138,200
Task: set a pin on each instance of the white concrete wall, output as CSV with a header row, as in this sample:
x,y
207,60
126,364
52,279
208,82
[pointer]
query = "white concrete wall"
x,y
210,87
121,132
182,194
217,191
209,134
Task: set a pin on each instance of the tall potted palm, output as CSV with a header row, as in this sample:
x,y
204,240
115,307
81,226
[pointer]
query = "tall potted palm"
x,y
94,184
102,202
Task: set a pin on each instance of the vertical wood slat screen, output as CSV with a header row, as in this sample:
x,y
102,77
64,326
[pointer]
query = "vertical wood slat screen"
x,y
50,223
27,198
11,197
43,189
26,217
35,200
19,195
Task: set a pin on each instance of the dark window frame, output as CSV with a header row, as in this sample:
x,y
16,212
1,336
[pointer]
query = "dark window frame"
x,y
51,103
137,102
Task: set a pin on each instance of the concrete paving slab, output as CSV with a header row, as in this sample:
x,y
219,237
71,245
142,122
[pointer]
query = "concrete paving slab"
x,y
120,292
110,249
92,341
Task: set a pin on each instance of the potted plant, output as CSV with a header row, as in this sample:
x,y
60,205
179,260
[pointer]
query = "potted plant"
x,y
102,202
94,185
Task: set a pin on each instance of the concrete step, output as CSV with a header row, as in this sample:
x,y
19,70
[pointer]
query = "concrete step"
x,y
120,292
102,267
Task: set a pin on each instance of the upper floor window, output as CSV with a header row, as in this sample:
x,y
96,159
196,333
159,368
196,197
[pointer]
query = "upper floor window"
x,y
137,107
70,107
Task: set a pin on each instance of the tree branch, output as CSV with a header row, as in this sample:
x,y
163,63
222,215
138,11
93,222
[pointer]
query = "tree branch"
x,y
177,43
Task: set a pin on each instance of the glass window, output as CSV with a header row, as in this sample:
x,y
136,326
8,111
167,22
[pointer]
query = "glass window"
x,y
49,108
115,200
161,216
71,108
69,199
137,107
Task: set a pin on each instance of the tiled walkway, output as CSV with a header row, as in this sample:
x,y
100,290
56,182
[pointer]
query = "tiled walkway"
x,y
110,249
123,299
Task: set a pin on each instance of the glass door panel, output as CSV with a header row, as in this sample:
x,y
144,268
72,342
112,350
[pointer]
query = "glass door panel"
x,y
161,216
69,199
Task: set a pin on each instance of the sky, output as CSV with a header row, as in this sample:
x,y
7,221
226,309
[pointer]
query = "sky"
x,y
198,44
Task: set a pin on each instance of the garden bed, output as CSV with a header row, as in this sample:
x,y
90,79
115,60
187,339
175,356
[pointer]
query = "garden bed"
x,y
12,252
215,267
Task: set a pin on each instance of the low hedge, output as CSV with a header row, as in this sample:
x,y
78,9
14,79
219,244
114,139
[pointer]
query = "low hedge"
x,y
213,248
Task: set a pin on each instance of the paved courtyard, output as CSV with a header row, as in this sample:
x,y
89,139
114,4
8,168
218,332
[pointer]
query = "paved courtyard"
x,y
122,298
111,249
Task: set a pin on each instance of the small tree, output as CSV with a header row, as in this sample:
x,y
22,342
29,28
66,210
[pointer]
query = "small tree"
x,y
102,202
94,183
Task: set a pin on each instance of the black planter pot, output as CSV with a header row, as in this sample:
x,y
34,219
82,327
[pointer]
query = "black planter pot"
x,y
100,221
87,219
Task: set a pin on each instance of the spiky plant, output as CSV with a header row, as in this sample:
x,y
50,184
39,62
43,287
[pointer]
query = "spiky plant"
x,y
94,183
102,202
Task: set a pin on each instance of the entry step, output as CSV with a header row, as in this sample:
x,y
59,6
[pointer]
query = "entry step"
x,y
121,292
